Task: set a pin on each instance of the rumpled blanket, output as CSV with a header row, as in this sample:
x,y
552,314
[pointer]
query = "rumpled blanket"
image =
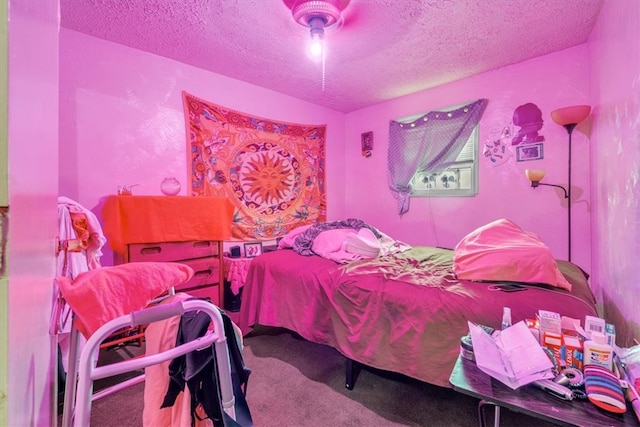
x,y
420,265
345,241
304,242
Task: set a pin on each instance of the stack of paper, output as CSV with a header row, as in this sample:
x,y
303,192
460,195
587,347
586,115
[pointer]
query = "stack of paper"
x,y
513,356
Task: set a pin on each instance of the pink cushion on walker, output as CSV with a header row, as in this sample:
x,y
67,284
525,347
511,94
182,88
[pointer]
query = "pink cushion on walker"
x,y
103,294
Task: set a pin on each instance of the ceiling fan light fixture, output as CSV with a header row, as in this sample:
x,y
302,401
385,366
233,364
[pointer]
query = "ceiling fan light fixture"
x,y
317,36
317,15
328,11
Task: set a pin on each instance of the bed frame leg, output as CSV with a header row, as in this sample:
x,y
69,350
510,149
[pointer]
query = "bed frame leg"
x,y
353,370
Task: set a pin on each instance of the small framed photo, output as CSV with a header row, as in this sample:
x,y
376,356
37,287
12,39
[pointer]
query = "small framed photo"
x,y
366,140
252,250
529,152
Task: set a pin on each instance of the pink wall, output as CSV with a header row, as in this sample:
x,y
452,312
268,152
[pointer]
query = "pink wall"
x,y
122,120
130,118
614,65
552,81
33,174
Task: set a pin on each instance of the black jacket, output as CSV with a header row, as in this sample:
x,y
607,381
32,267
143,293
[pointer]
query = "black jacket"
x,y
198,370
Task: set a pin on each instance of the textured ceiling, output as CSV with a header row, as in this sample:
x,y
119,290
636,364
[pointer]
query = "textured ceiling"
x,y
383,49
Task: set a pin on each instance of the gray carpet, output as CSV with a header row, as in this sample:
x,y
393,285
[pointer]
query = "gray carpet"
x,y
298,383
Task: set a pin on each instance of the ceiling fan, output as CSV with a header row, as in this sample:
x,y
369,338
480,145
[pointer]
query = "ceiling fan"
x,y
318,16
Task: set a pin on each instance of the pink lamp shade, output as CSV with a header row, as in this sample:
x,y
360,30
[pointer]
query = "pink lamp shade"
x,y
571,115
535,175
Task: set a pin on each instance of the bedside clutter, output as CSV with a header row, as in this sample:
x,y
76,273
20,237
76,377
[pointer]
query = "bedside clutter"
x,y
587,365
237,258
234,252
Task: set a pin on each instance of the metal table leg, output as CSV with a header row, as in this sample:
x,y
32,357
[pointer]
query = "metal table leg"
x,y
481,413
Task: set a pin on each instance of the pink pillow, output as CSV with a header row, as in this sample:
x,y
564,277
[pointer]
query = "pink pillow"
x,y
330,241
100,295
290,237
502,251
363,243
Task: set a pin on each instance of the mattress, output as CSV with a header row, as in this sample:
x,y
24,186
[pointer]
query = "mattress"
x,y
403,313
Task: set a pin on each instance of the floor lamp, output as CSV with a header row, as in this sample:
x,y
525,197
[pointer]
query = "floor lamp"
x,y
569,118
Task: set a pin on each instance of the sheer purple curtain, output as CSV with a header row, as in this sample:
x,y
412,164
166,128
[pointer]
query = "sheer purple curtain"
x,y
430,143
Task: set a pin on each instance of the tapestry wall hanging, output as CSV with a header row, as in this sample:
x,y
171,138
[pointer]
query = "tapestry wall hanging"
x,y
272,172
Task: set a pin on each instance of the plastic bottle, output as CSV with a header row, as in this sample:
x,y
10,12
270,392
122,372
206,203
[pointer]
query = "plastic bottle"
x,y
597,351
506,317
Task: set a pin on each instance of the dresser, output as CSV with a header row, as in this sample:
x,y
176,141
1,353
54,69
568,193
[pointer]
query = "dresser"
x,y
190,230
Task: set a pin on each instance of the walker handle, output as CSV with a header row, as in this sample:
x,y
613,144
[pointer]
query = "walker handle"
x,y
159,312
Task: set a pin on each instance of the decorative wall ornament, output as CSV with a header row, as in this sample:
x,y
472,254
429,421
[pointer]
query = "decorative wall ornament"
x,y
273,172
170,186
529,118
497,152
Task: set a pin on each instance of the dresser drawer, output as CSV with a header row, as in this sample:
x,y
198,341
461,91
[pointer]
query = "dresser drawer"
x,y
206,292
205,270
172,251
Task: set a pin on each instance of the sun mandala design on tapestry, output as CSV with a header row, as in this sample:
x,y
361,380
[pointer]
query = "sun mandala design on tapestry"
x,y
263,177
273,172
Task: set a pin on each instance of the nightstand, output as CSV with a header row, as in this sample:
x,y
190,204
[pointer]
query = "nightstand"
x,y
235,274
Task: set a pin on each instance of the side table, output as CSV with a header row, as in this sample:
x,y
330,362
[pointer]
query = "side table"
x,y
468,379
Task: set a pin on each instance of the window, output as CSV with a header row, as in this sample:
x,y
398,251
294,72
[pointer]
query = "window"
x,y
460,179
430,143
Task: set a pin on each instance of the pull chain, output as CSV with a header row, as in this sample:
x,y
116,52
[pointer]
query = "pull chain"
x,y
324,56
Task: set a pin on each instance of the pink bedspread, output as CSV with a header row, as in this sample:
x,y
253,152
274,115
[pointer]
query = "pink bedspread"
x,y
403,314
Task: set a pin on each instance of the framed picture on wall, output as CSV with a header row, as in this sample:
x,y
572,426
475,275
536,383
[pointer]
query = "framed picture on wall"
x,y
529,152
252,250
366,140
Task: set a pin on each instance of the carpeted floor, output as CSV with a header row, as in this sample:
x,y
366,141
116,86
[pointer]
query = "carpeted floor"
x,y
300,384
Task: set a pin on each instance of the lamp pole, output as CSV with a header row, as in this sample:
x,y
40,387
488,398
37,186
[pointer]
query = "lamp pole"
x,y
569,117
569,127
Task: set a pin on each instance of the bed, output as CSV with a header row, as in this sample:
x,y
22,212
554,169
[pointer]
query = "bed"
x,y
403,312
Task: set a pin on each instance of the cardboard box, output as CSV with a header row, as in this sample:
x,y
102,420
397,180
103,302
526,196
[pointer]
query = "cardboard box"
x,y
610,333
549,323
554,343
534,328
593,324
572,352
570,326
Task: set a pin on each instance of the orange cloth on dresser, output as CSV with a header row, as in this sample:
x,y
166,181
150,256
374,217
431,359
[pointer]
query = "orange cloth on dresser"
x,y
149,219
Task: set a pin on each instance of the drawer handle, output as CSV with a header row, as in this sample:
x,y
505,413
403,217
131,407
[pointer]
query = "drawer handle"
x,y
203,273
150,251
201,244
